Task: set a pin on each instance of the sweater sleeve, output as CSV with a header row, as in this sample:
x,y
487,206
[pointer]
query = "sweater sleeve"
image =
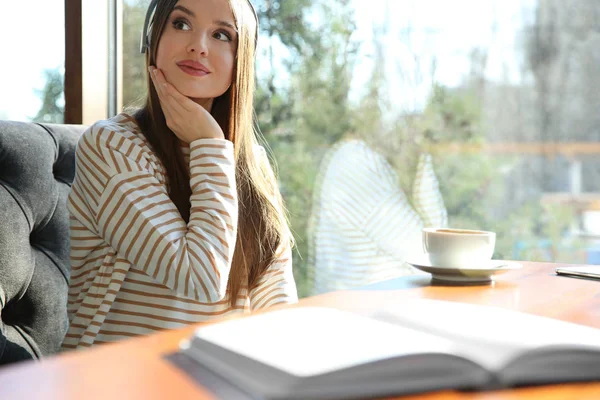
x,y
134,214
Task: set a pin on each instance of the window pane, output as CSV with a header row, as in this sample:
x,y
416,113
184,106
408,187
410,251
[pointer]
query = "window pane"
x,y
484,119
134,84
32,67
503,97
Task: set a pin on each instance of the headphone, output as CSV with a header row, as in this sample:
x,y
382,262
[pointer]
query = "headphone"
x,y
145,39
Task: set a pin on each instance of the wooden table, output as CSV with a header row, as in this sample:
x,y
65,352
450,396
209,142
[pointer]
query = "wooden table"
x,y
136,369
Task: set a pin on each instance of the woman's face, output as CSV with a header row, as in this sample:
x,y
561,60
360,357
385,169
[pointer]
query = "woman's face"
x,y
196,51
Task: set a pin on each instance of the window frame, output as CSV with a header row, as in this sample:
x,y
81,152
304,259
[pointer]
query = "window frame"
x,y
93,48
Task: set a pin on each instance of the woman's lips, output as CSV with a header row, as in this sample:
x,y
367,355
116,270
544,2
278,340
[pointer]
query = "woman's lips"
x,y
193,67
192,71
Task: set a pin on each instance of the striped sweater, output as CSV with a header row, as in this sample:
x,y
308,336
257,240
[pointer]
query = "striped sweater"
x,y
137,267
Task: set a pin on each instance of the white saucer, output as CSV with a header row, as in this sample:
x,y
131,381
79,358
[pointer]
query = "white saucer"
x,y
478,273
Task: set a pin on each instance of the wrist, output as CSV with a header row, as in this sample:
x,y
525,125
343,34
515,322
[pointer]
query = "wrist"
x,y
215,134
199,142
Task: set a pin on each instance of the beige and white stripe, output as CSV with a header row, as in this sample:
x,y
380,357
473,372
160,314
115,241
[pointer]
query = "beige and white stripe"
x,y
137,267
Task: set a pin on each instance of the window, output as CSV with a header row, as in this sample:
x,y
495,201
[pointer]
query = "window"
x,y
503,97
134,66
32,68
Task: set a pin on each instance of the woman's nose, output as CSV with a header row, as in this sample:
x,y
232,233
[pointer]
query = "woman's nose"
x,y
199,44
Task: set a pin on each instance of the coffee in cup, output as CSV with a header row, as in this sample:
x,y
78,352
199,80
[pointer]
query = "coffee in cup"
x,y
458,248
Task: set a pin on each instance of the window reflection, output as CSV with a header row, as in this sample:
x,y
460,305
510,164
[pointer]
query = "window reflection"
x,y
134,84
503,99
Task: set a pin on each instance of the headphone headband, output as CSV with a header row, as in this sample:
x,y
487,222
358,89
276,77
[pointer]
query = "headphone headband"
x,y
145,39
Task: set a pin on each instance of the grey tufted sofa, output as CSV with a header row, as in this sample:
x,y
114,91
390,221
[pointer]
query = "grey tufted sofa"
x,y
37,164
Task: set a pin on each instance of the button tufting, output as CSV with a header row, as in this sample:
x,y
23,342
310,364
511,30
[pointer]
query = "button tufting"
x,y
34,236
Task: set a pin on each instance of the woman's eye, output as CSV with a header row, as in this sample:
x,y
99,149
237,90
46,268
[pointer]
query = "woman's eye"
x,y
222,35
181,25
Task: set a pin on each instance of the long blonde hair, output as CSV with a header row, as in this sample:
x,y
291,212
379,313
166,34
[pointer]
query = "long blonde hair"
x,y
262,225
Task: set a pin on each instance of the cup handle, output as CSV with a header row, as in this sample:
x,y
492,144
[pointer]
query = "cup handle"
x,y
424,243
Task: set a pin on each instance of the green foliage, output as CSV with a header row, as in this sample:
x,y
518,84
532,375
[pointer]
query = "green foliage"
x,y
465,183
297,174
287,20
452,115
134,65
52,96
537,232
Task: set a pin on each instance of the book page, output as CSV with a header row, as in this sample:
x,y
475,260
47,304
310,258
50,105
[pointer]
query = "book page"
x,y
313,340
490,336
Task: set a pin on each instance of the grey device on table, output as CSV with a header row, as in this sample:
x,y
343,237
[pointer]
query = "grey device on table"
x,y
590,272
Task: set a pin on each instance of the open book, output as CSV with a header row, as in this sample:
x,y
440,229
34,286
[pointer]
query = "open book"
x,y
409,347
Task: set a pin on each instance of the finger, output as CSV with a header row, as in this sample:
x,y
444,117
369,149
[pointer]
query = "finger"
x,y
166,109
159,81
163,97
164,104
172,106
157,86
168,103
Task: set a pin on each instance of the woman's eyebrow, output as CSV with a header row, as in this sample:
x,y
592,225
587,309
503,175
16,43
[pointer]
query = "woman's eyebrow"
x,y
192,14
226,24
185,10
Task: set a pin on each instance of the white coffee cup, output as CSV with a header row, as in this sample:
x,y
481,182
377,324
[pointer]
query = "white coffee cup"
x,y
458,248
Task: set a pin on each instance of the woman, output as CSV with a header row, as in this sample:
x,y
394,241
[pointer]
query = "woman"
x,y
175,213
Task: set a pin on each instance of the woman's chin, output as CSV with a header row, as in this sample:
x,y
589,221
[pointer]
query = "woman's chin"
x,y
205,102
194,94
